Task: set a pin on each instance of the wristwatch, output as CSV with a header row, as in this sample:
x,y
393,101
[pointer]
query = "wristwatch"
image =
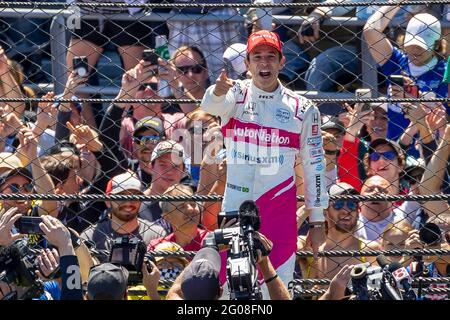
x,y
316,225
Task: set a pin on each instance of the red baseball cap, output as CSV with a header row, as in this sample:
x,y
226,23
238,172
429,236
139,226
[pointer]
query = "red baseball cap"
x,y
264,37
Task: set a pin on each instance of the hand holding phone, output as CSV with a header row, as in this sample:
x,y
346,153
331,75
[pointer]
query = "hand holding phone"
x,y
364,94
80,65
29,225
150,55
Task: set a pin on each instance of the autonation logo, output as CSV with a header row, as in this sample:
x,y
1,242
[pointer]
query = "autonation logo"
x,y
261,135
259,160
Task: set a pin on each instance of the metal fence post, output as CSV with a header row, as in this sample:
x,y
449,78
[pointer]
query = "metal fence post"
x,y
59,51
368,69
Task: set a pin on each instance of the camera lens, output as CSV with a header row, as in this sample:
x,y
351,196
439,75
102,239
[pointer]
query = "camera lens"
x,y
430,234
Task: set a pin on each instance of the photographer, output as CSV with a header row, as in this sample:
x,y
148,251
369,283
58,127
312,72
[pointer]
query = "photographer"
x,y
200,279
108,281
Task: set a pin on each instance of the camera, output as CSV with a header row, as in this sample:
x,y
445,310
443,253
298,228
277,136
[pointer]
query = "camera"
x,y
242,275
430,234
17,266
130,253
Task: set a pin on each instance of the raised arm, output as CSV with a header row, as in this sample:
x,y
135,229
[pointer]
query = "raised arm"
x,y
379,45
9,86
434,176
42,182
219,100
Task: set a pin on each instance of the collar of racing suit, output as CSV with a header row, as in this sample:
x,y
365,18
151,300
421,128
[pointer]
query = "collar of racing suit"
x,y
261,95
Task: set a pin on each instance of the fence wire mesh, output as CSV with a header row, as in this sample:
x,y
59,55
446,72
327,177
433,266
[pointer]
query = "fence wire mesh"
x,y
102,126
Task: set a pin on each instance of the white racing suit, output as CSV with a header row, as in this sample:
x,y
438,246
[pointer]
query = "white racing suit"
x,y
263,133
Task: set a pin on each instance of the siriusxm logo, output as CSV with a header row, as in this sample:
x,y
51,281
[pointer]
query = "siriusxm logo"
x,y
258,160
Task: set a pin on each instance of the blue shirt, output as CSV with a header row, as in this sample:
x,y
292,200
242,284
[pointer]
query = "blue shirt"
x,y
52,291
429,81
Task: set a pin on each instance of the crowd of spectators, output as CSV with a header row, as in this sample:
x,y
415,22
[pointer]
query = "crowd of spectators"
x,y
74,148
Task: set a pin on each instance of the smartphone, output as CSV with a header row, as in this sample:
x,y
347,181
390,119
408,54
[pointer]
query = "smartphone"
x,y
80,65
29,225
151,56
397,80
364,94
227,216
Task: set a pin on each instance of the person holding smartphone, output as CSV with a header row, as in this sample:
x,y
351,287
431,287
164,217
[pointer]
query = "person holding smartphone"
x,y
418,61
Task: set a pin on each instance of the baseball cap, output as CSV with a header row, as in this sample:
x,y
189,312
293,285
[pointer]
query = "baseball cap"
x,y
107,282
201,276
168,146
11,165
333,123
170,246
381,141
235,54
341,188
264,37
423,30
331,108
145,123
123,182
383,106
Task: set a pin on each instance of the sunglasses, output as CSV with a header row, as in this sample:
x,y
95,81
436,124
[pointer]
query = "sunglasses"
x,y
196,68
331,152
16,188
197,130
388,155
339,204
143,140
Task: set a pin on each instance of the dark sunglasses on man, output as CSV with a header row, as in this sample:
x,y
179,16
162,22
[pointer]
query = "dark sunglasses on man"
x,y
339,204
143,140
387,155
16,188
196,68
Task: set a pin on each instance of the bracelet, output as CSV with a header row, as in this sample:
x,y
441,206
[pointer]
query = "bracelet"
x,y
271,279
316,225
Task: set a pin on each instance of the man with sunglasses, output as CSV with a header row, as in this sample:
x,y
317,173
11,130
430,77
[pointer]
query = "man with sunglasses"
x,y
266,126
148,132
341,220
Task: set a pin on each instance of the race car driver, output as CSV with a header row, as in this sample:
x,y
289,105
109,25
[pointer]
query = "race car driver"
x,y
265,125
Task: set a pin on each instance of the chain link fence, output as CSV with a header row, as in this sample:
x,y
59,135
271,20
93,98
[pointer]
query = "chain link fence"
x,y
101,126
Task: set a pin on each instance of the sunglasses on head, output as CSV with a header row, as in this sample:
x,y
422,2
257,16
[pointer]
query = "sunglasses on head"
x,y
388,155
339,204
16,188
196,68
143,140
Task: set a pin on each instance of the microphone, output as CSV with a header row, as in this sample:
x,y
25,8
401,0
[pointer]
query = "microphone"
x,y
383,261
403,280
250,222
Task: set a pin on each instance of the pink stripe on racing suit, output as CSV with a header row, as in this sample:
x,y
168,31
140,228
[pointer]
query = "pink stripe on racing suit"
x,y
263,133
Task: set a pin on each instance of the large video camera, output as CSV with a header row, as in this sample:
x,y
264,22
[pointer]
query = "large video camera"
x,y
389,281
242,275
17,266
130,253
